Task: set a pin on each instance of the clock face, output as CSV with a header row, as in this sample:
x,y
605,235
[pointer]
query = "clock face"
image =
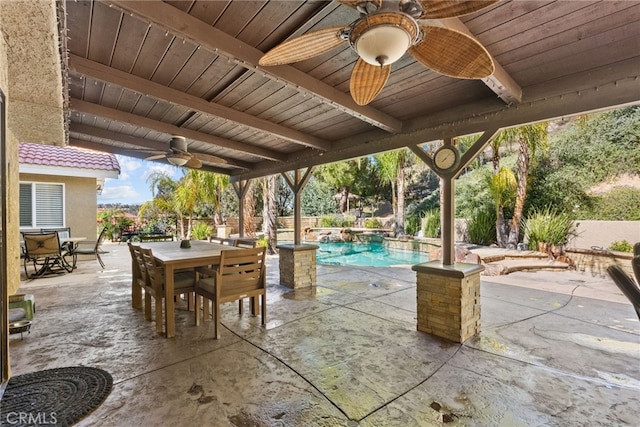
x,y
445,158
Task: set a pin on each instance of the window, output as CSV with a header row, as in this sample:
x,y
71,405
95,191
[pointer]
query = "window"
x,y
41,205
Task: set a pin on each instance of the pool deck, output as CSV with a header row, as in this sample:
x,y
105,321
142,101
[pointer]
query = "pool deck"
x,y
556,348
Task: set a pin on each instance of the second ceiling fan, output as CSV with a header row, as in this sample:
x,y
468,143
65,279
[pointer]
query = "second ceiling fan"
x,y
382,35
179,156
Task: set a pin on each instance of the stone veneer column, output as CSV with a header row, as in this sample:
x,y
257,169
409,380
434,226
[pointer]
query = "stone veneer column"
x,y
449,299
297,265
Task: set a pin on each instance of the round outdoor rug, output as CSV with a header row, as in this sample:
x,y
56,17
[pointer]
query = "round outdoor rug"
x,y
58,397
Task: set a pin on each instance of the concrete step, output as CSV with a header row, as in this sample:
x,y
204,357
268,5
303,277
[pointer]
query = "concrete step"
x,y
506,266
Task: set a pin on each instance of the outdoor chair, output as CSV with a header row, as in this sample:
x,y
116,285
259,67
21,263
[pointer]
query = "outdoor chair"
x,y
44,253
240,274
635,264
140,278
222,241
183,283
63,233
627,285
94,247
245,242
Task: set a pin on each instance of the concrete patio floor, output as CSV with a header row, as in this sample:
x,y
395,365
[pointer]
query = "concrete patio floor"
x,y
556,348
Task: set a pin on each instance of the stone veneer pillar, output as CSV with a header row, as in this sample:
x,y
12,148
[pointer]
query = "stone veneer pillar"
x,y
297,265
449,299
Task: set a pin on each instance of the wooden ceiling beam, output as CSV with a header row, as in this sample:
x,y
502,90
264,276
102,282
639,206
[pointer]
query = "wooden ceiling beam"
x,y
135,120
620,90
101,133
138,84
105,148
183,25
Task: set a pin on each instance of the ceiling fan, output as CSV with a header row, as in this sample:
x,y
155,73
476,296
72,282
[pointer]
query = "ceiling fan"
x,y
382,35
179,156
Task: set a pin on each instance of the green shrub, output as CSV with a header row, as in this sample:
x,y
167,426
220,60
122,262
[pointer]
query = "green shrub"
x,y
200,230
328,221
372,223
481,226
431,223
548,226
412,224
622,246
337,221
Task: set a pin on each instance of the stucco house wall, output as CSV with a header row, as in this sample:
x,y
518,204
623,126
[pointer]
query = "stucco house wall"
x,y
79,199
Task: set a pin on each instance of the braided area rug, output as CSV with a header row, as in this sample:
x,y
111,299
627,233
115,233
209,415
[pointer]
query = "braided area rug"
x,y
59,397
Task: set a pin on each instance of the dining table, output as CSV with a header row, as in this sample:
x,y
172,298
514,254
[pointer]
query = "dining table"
x,y
72,249
175,256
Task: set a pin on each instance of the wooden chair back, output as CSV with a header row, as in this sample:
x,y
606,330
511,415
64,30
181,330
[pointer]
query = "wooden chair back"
x,y
240,274
154,272
245,243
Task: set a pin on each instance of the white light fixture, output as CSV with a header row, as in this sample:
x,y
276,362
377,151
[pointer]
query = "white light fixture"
x,y
383,38
178,159
383,45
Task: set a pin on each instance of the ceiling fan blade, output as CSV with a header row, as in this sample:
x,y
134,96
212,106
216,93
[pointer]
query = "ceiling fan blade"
x,y
303,47
437,9
194,163
367,81
156,156
452,53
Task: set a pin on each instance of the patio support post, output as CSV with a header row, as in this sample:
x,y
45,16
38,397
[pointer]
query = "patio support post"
x,y
448,292
297,184
447,221
240,188
297,261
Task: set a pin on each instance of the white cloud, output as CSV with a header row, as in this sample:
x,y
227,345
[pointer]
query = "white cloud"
x,y
128,165
172,171
119,193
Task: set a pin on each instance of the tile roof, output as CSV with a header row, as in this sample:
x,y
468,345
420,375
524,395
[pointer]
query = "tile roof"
x,y
70,157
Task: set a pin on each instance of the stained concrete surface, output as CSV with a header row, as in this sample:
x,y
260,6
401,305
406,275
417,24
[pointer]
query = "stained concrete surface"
x,y
556,348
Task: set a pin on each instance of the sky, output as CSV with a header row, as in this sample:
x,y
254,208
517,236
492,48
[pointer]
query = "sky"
x,y
132,187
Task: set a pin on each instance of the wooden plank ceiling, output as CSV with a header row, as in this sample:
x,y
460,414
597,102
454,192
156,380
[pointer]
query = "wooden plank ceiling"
x,y
143,71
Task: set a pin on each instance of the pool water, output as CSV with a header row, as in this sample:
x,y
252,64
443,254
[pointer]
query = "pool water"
x,y
366,254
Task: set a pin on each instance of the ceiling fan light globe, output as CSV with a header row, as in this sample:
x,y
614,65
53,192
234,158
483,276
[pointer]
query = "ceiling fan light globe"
x,y
383,44
178,159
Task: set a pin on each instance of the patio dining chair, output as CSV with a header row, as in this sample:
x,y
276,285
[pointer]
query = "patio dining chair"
x,y
627,285
183,283
240,274
140,278
43,252
93,247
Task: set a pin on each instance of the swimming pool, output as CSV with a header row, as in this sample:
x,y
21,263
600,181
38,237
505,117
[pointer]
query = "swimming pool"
x,y
369,254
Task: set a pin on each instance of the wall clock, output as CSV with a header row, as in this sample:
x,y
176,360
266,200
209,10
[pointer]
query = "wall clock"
x,y
446,158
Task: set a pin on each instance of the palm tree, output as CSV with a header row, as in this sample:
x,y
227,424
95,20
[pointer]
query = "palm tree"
x,y
502,189
391,169
530,139
211,187
249,210
269,186
187,196
162,188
